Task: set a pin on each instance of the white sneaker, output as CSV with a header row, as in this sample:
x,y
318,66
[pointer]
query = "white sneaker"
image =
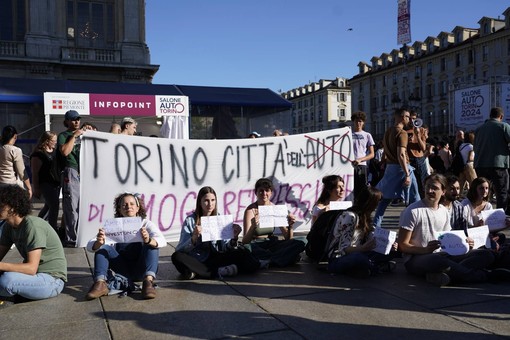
x,y
230,270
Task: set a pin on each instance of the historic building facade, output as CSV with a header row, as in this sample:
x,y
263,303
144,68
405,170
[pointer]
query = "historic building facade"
x,y
321,105
100,40
425,74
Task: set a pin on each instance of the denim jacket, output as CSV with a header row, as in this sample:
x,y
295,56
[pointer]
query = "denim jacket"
x,y
201,250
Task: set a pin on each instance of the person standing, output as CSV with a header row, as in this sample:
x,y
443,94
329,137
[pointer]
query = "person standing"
x,y
416,150
68,144
12,167
128,126
46,177
363,145
399,175
492,156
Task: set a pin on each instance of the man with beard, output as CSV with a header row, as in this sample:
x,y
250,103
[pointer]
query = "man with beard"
x,y
398,176
451,202
421,224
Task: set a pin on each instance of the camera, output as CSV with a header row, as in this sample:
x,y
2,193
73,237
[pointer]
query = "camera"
x,y
418,122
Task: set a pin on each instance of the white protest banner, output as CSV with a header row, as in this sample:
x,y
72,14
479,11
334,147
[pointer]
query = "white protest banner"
x,y
123,229
495,219
168,174
219,227
384,240
454,242
480,236
340,205
472,106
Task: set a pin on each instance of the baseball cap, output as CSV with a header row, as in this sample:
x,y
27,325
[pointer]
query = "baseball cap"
x,y
72,115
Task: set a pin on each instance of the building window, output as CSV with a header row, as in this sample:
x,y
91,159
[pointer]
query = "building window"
x,y
394,78
311,101
485,52
306,116
429,68
470,56
91,24
311,116
443,64
444,88
384,81
384,102
320,98
457,60
417,72
360,86
341,97
320,116
12,20
430,91
299,104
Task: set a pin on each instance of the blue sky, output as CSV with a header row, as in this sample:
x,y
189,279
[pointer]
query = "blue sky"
x,y
282,45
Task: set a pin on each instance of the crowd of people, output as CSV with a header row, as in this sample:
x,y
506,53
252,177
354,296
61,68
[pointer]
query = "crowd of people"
x,y
406,166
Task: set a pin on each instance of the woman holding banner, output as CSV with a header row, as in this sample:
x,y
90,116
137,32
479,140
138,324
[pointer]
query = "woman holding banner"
x,y
134,260
209,259
352,249
262,242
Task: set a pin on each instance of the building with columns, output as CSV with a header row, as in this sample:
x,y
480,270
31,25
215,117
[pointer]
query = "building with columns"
x,y
83,40
424,75
321,105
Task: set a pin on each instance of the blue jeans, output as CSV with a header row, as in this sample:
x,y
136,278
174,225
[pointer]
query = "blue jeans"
x,y
421,171
392,187
33,287
359,260
462,268
133,260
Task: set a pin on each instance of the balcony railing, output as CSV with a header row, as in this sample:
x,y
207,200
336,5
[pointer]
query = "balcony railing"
x,y
90,55
12,49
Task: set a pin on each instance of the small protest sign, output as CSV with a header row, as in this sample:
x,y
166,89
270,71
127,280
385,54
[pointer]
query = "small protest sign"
x,y
123,229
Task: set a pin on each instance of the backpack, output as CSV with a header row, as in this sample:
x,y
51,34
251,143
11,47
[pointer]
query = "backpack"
x,y
458,164
319,235
119,284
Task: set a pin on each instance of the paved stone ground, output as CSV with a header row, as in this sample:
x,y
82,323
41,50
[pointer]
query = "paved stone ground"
x,y
299,302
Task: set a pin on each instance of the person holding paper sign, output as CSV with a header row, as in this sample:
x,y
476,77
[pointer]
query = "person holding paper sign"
x,y
477,202
351,250
209,259
421,224
133,260
263,244
333,189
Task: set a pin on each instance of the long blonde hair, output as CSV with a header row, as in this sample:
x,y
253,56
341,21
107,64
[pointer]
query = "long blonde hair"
x,y
44,139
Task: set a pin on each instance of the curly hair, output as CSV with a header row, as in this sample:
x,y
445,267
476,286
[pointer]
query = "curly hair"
x,y
117,204
16,198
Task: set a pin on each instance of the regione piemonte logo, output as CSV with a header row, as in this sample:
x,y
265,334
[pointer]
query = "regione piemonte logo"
x,y
57,104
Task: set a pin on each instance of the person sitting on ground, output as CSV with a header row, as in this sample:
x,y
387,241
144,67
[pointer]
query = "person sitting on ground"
x,y
451,202
333,189
43,271
137,260
209,259
351,251
476,201
421,224
262,242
